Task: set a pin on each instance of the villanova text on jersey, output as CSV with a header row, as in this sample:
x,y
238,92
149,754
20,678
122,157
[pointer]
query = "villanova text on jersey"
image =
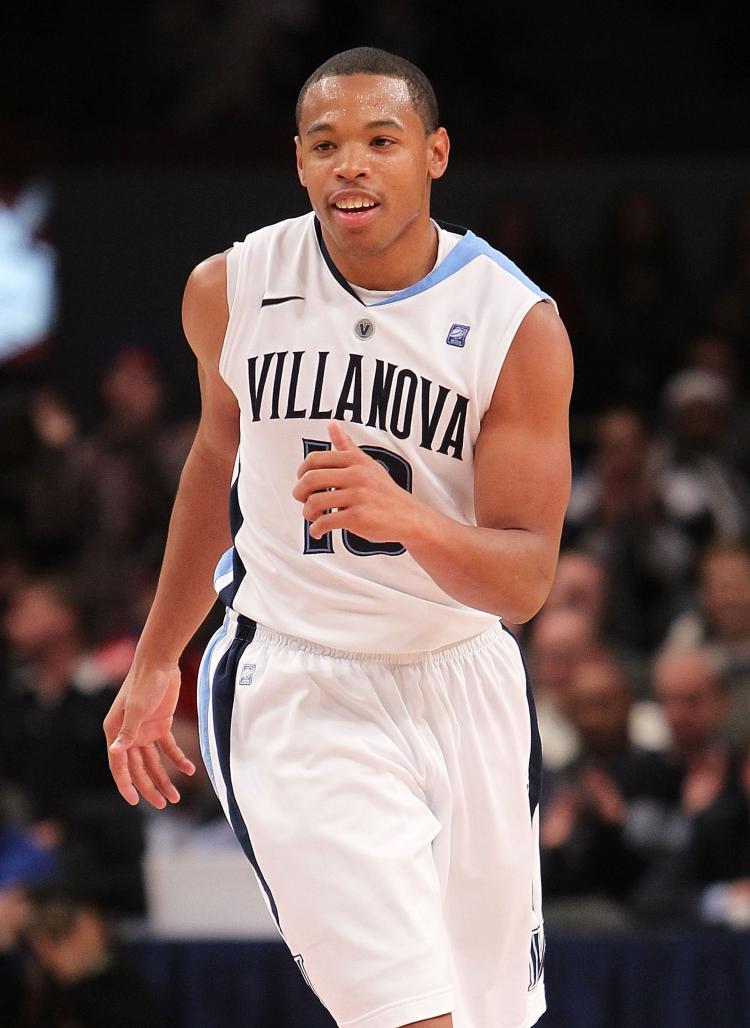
x,y
410,374
375,393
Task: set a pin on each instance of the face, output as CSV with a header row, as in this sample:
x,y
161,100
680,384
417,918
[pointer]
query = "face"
x,y
366,162
622,446
692,701
37,618
599,706
561,640
725,594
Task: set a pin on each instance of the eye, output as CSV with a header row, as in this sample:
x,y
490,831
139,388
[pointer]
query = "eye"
x,y
382,142
323,147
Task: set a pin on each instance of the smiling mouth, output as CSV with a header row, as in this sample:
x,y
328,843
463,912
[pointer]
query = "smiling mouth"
x,y
355,204
354,210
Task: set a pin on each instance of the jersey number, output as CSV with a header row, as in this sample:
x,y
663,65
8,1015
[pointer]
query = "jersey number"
x,y
399,470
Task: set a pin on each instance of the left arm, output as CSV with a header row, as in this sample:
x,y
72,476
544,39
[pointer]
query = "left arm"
x,y
506,562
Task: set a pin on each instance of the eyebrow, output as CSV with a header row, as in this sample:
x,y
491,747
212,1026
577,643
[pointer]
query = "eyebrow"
x,y
326,126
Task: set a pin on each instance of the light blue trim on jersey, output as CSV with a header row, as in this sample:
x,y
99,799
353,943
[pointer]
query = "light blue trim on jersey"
x,y
468,249
204,694
224,566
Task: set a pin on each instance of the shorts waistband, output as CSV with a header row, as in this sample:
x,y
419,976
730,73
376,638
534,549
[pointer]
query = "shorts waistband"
x,y
249,629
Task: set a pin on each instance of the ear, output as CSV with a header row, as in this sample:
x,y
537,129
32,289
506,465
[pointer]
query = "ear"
x,y
300,162
439,147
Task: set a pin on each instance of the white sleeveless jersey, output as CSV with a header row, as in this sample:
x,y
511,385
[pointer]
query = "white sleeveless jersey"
x,y
410,375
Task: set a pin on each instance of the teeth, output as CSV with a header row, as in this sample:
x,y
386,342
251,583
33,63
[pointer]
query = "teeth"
x,y
354,204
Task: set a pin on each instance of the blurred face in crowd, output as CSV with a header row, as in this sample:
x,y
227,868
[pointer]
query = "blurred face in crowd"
x,y
693,702
579,585
715,354
599,706
37,618
561,639
132,389
700,424
725,593
361,141
622,447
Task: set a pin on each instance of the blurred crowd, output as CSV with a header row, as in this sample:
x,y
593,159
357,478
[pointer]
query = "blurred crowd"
x,y
640,658
217,79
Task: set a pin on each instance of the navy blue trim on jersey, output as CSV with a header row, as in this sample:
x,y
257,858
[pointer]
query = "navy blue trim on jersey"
x,y
331,266
236,519
222,697
535,754
464,252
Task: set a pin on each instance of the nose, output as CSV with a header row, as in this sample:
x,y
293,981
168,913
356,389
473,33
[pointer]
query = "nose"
x,y
352,163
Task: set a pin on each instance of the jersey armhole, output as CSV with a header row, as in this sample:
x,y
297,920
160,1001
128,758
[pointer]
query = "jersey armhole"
x,y
529,300
233,264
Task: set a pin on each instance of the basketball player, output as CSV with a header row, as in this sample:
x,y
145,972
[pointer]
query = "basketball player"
x,y
395,394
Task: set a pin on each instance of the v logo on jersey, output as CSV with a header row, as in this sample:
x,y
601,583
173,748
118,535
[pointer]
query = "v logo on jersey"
x,y
457,335
364,328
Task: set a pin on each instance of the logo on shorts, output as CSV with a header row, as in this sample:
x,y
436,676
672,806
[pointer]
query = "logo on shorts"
x,y
246,673
457,335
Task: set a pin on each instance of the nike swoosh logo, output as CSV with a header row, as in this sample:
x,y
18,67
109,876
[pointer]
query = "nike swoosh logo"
x,y
271,301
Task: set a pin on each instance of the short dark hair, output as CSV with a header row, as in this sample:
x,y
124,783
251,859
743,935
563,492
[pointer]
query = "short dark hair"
x,y
368,60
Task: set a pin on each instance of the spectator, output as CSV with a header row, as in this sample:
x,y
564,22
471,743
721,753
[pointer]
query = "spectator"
x,y
645,539
82,981
52,749
629,824
129,471
721,622
693,458
50,732
721,856
580,585
584,854
718,355
671,791
560,641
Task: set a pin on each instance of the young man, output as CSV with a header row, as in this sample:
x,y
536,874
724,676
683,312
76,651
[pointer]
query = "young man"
x,y
365,718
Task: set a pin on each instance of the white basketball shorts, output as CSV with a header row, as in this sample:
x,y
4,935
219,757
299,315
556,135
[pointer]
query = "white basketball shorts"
x,y
388,806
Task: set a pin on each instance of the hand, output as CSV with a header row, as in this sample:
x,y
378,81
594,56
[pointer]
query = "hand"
x,y
367,501
14,913
704,782
604,796
560,819
138,731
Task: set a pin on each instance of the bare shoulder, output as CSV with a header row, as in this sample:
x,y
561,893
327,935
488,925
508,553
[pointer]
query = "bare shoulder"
x,y
537,373
205,311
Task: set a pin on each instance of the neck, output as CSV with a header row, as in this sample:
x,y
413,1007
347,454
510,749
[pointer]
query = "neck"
x,y
400,264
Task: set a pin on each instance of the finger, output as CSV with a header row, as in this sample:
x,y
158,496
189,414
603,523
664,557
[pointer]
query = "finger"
x,y
339,438
118,766
160,778
320,502
319,480
132,720
328,459
328,523
142,780
170,749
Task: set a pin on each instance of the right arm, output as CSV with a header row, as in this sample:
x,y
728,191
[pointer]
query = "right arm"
x,y
138,726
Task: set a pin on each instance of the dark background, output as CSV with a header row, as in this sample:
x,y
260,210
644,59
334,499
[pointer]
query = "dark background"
x,y
165,130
